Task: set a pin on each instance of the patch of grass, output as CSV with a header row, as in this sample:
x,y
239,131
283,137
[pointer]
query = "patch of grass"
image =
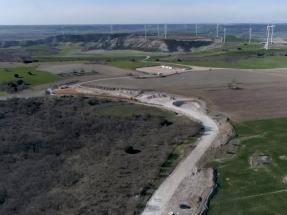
x,y
130,64
38,77
254,191
37,47
2,93
252,63
134,109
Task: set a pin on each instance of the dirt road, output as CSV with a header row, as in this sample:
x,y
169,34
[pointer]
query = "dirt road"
x,y
159,202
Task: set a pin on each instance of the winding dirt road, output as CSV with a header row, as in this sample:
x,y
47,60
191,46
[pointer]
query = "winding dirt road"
x,y
159,203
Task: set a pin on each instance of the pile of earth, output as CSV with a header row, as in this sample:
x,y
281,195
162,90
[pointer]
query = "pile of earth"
x,y
259,159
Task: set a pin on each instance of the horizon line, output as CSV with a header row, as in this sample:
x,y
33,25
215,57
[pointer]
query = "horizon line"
x,y
198,23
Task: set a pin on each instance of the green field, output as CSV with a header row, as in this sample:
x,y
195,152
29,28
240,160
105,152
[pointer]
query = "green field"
x,y
130,64
132,109
37,47
254,190
252,63
38,77
2,93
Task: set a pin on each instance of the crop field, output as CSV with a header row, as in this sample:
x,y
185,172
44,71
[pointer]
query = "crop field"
x,y
254,188
237,56
130,64
253,63
2,93
37,77
263,93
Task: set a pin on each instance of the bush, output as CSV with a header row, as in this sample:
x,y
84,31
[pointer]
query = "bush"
x,y
179,60
129,149
165,122
16,75
157,59
29,73
239,48
20,82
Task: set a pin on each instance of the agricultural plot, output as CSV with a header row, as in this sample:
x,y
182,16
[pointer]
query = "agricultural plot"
x,y
262,94
253,182
36,78
252,63
130,64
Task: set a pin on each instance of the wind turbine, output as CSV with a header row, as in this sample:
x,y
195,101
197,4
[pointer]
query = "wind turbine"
x,y
250,34
268,34
224,35
165,30
196,29
157,30
272,31
144,30
111,29
63,32
217,29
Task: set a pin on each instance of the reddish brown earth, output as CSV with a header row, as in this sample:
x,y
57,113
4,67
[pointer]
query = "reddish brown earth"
x,y
263,93
253,102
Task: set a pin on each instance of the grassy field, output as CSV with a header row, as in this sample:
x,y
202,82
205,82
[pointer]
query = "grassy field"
x,y
38,77
130,110
2,93
254,190
37,47
130,64
252,63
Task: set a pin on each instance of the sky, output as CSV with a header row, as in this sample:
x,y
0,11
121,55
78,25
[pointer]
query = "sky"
x,y
48,12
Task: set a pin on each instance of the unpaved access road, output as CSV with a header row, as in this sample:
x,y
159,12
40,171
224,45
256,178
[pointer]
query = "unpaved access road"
x,y
159,203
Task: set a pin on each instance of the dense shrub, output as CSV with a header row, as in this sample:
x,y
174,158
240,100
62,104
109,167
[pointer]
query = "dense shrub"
x,y
62,156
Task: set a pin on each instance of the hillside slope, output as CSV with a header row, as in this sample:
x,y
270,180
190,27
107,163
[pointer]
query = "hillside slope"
x,y
115,42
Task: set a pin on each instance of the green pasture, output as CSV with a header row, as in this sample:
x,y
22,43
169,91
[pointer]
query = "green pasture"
x,y
130,64
37,77
269,62
248,190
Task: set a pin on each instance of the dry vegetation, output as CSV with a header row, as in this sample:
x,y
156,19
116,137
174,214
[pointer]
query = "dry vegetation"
x,y
70,156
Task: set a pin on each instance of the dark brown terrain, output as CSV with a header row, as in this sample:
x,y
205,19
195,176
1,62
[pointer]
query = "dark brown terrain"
x,y
70,157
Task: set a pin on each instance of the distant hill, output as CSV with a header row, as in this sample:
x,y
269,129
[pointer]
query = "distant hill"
x,y
116,42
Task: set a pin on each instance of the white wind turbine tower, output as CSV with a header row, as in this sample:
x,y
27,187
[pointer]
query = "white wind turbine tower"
x,y
144,30
196,29
272,31
217,29
224,35
165,30
111,29
268,34
250,34
63,32
157,30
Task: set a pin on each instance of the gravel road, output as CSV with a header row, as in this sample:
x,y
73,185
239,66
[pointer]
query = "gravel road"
x,y
159,202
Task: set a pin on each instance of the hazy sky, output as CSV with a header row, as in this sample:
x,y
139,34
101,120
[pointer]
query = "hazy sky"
x,y
144,11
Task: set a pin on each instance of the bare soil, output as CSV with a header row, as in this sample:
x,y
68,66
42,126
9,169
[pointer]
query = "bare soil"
x,y
262,94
